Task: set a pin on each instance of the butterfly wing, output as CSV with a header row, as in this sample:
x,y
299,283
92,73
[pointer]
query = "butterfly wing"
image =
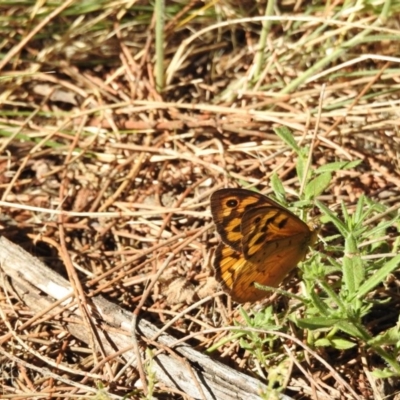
x,y
269,267
261,242
271,228
242,274
228,207
229,266
274,242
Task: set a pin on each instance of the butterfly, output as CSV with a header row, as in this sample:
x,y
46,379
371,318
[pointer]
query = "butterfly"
x,y
261,241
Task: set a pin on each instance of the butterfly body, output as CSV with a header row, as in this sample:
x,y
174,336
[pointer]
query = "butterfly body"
x,y
261,241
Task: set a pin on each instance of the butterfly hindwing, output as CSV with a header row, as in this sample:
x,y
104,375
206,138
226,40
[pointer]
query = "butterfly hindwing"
x,y
227,264
268,267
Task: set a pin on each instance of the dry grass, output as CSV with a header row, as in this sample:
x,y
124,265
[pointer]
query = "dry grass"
x,y
104,176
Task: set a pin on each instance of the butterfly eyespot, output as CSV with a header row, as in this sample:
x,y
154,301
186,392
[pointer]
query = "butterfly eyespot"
x,y
257,220
232,203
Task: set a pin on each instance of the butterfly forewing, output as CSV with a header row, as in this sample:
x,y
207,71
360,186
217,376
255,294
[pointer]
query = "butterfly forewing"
x,y
228,207
269,224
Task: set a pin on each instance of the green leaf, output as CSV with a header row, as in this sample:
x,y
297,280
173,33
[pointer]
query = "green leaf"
x,y
335,299
333,218
317,323
245,316
337,343
383,373
390,337
301,166
286,135
353,329
350,245
353,273
337,166
379,276
278,188
318,303
317,185
359,215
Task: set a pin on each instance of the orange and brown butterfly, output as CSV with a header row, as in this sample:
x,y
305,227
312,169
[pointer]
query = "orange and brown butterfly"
x,y
261,241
